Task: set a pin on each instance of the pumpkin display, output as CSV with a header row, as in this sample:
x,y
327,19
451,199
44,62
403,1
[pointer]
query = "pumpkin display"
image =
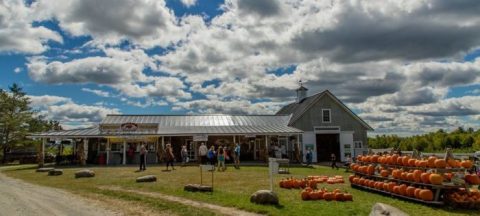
x,y
435,179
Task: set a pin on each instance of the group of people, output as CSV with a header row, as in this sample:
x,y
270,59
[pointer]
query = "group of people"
x,y
219,156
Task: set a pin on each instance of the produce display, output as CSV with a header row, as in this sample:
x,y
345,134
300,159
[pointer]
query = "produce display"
x,y
323,194
429,180
463,198
310,181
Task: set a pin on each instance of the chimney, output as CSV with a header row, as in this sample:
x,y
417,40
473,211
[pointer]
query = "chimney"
x,y
301,92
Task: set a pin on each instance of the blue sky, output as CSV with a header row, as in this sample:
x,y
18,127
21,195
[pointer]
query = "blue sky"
x,y
394,63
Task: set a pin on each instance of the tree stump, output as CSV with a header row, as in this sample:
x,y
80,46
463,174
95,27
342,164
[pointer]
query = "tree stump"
x,y
197,188
84,174
55,172
147,178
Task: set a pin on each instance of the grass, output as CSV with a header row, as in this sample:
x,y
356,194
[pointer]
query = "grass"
x,y
232,188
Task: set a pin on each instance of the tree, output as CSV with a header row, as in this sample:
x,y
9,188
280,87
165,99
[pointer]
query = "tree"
x,y
15,114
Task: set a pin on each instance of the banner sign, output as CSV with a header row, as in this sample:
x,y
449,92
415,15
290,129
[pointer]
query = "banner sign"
x,y
200,137
129,126
250,135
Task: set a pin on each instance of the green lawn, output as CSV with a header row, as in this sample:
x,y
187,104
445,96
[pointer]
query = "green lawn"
x,y
232,188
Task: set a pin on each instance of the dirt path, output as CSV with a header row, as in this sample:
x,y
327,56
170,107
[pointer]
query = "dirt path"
x,y
216,208
20,198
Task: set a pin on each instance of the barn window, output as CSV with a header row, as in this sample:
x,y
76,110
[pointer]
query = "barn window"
x,y
358,144
326,115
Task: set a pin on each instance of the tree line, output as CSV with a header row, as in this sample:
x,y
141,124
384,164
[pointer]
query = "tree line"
x,y
460,140
18,119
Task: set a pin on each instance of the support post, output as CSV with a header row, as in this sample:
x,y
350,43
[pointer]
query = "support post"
x,y
299,156
124,160
156,148
107,150
266,147
41,156
85,151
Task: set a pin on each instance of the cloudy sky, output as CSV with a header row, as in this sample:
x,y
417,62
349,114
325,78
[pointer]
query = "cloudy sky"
x,y
404,66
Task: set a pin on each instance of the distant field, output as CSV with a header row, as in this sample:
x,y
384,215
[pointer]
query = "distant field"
x,y
232,188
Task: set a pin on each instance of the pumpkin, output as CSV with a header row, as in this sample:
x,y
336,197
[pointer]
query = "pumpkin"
x,y
339,197
435,179
385,186
452,163
440,163
389,160
472,179
396,189
305,195
400,160
405,160
328,196
410,191
410,177
422,163
404,176
467,164
412,162
417,176
425,178
316,195
416,193
391,186
374,158
350,178
426,195
396,174
371,170
394,159
402,189
384,173
347,197
431,161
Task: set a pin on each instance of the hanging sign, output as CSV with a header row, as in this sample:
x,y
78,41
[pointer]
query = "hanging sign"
x,y
129,126
200,137
250,135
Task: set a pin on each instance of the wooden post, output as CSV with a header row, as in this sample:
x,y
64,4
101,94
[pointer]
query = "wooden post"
x,y
156,148
124,160
41,156
266,147
107,150
85,151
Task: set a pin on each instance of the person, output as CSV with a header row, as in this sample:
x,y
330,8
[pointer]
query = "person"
x,y
277,152
333,157
184,154
309,156
170,156
211,155
348,161
221,159
202,152
130,154
236,156
143,157
283,150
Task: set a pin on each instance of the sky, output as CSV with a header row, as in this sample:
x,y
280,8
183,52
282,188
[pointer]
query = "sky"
x,y
405,67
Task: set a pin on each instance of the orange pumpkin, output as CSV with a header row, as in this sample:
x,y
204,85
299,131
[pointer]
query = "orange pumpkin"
x,y
425,178
394,159
339,197
411,191
440,163
467,164
452,163
412,162
391,185
396,189
347,197
435,179
417,175
400,160
404,176
389,160
374,158
422,163
472,179
402,189
385,186
384,173
416,193
431,161
426,195
328,196
305,195
371,170
410,177
405,160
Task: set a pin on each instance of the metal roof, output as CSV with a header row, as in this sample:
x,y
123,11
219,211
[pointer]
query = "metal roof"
x,y
188,124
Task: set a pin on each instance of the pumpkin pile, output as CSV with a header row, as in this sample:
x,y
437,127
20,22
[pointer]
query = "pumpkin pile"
x,y
464,199
310,181
323,194
393,187
430,162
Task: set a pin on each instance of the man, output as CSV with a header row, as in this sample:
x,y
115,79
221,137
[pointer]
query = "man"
x,y
309,156
236,152
202,152
143,157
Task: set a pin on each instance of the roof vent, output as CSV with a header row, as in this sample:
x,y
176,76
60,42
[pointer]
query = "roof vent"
x,y
301,92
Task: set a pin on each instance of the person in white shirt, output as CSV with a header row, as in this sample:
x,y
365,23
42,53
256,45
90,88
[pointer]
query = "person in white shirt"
x,y
202,153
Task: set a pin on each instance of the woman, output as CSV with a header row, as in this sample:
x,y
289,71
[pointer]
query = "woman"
x,y
221,159
211,155
184,154
170,156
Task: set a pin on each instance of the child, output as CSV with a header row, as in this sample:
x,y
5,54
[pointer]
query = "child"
x,y
221,159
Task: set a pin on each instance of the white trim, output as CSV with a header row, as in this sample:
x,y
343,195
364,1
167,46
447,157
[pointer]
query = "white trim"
x,y
329,116
326,129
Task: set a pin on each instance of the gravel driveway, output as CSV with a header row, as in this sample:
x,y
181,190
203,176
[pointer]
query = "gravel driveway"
x,y
20,198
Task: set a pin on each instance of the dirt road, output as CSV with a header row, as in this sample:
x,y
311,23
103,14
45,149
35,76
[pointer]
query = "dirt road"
x,y
20,198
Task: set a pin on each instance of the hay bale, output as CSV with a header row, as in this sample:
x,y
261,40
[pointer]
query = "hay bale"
x,y
84,174
147,178
55,172
264,197
44,169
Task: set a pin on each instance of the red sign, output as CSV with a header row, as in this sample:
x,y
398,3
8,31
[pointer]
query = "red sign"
x,y
129,126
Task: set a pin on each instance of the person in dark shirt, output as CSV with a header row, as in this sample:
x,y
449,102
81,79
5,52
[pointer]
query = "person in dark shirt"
x,y
334,161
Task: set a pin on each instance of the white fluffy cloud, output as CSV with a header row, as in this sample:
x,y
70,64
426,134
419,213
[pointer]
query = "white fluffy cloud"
x,y
17,34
